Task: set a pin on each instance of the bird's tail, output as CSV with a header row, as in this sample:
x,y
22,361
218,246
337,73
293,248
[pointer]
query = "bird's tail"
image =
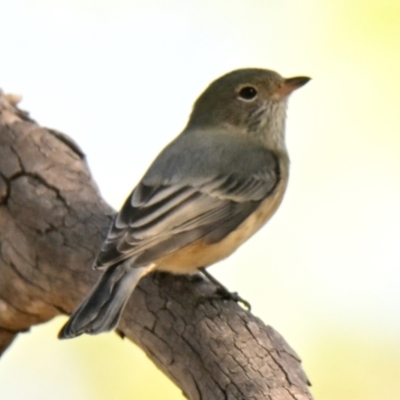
x,y
103,306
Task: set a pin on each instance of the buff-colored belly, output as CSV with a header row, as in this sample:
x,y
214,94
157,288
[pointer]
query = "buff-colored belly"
x,y
200,254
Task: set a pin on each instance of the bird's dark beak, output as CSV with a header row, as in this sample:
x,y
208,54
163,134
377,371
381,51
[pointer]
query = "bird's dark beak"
x,y
291,84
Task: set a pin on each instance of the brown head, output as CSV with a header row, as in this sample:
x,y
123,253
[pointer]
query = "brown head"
x,y
250,100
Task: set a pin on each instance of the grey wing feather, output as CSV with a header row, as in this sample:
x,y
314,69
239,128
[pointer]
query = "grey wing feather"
x,y
189,194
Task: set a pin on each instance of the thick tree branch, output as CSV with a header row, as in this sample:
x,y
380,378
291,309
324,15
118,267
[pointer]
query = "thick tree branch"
x,y
52,222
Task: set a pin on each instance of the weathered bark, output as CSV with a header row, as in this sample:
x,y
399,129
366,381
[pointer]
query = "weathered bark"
x,y
53,220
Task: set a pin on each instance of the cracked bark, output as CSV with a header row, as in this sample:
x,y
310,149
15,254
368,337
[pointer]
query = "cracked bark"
x,y
53,220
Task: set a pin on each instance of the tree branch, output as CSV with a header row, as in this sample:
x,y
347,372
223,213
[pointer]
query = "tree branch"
x,y
52,222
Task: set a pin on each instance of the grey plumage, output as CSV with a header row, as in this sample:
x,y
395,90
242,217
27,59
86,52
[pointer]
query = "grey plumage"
x,y
202,185
214,185
102,308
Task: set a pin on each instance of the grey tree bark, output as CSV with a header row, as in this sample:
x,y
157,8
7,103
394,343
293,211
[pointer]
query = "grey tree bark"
x,y
53,220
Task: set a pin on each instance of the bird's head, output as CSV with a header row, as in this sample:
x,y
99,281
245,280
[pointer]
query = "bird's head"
x,y
252,101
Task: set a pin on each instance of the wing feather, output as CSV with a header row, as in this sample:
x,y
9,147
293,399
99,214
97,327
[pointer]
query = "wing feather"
x,y
171,209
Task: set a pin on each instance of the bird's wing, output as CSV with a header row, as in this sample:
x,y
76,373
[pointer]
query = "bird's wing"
x,y
186,196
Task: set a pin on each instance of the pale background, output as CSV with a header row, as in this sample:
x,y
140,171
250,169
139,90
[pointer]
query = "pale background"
x,y
120,78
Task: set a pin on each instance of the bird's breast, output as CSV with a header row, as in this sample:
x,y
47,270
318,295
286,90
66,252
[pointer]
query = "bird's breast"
x,y
200,254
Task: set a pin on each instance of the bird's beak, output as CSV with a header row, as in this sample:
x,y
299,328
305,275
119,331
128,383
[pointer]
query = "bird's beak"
x,y
291,84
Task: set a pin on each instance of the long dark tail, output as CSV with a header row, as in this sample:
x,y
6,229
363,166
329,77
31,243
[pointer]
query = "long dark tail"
x,y
103,306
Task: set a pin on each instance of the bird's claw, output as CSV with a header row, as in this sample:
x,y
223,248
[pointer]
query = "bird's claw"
x,y
234,296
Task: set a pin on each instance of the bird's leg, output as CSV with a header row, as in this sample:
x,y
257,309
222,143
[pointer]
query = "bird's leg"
x,y
223,291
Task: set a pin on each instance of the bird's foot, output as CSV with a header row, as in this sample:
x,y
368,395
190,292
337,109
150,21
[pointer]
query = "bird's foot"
x,y
222,292
234,296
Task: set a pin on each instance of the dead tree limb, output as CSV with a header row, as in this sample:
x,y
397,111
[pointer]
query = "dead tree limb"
x,y
53,220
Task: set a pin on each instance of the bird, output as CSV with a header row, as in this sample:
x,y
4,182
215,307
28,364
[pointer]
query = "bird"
x,y
216,184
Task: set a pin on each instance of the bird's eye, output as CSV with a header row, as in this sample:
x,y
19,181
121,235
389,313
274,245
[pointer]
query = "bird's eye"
x,y
248,93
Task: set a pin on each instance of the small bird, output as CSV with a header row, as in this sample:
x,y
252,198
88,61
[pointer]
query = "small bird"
x,y
204,195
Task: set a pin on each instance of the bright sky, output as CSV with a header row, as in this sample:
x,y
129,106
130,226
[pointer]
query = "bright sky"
x,y
120,78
